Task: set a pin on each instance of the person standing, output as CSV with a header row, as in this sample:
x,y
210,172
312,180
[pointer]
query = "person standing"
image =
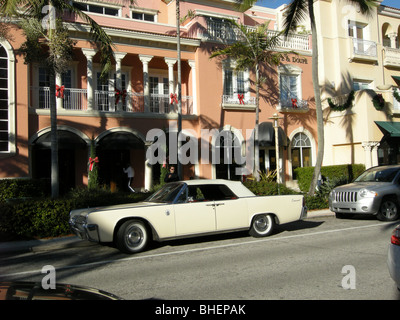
x,y
130,173
171,175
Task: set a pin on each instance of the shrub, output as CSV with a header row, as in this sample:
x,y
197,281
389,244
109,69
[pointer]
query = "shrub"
x,y
343,172
41,218
23,188
265,188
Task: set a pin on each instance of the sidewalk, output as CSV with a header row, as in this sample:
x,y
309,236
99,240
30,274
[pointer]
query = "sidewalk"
x,y
73,241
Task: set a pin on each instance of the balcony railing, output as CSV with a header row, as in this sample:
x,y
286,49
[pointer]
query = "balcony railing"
x,y
391,57
221,31
293,105
110,101
363,49
238,101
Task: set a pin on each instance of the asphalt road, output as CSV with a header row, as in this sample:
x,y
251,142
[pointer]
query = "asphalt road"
x,y
316,259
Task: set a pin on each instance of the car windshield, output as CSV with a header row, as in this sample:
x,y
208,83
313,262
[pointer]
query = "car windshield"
x,y
378,175
167,193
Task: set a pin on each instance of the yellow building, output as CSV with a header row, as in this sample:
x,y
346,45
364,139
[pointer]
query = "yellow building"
x,y
359,58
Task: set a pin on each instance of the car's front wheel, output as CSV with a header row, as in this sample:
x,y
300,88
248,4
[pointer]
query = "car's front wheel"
x,y
262,225
132,236
389,210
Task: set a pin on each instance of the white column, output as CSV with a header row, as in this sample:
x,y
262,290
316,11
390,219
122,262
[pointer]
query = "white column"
x,y
192,65
393,38
170,62
118,79
146,90
89,53
371,153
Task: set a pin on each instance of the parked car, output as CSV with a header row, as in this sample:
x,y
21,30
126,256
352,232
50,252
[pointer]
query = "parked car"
x,y
185,209
22,290
393,260
375,192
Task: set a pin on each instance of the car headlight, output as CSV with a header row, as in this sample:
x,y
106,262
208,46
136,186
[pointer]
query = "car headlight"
x,y
365,193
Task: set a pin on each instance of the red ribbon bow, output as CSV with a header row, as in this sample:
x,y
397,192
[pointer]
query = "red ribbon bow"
x,y
92,162
120,93
60,91
241,96
294,103
173,98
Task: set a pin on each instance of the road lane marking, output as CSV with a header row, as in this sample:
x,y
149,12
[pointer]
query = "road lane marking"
x,y
156,255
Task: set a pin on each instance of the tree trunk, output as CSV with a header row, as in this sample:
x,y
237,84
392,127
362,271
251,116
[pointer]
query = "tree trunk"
x,y
54,137
256,142
318,105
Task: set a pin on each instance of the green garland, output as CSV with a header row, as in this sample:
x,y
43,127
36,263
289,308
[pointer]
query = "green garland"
x,y
346,105
378,101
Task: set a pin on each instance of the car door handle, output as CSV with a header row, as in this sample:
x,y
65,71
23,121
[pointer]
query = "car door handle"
x,y
210,205
219,204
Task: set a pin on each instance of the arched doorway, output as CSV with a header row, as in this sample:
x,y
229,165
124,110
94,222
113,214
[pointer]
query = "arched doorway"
x,y
72,148
228,146
116,149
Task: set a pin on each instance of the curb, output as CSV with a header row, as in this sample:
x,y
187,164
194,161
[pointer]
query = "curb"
x,y
41,245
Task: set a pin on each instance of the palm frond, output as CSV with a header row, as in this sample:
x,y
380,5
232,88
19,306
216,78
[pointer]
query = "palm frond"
x,y
365,6
296,13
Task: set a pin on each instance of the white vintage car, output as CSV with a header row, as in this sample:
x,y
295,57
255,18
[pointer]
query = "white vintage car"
x,y
184,209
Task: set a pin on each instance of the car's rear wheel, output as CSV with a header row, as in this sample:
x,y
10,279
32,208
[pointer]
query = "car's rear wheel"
x,y
132,236
262,225
389,210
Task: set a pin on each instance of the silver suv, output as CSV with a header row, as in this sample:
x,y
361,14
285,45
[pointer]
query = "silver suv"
x,y
376,192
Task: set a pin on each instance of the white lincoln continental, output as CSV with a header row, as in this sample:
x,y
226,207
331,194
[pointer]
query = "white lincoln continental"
x,y
185,209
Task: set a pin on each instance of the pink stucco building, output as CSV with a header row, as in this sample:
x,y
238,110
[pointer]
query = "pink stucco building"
x,y
118,114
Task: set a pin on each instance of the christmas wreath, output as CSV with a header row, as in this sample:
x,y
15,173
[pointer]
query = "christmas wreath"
x,y
346,105
378,101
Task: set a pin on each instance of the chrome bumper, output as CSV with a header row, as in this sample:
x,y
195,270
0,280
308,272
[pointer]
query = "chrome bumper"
x,y
364,206
84,230
303,214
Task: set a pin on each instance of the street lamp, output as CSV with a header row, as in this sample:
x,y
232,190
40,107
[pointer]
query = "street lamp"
x,y
178,49
275,117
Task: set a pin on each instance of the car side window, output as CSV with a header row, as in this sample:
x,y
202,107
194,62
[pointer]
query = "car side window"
x,y
217,192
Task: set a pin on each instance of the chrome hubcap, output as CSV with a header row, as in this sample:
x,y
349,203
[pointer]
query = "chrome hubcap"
x,y
262,223
134,236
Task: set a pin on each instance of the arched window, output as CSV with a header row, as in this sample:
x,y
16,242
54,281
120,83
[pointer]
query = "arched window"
x,y
301,151
4,103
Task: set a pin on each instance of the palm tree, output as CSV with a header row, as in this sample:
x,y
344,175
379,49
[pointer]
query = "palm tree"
x,y
255,47
32,15
297,11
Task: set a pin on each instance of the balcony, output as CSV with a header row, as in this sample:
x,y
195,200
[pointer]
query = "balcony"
x,y
363,50
109,101
238,102
223,32
391,57
293,106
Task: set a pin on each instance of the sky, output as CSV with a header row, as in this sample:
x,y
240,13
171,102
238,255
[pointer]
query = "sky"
x,y
276,3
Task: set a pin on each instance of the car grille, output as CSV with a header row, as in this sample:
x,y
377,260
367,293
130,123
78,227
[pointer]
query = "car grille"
x,y
346,196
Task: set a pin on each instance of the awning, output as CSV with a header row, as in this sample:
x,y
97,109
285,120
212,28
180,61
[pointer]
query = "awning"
x,y
266,135
396,79
389,129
